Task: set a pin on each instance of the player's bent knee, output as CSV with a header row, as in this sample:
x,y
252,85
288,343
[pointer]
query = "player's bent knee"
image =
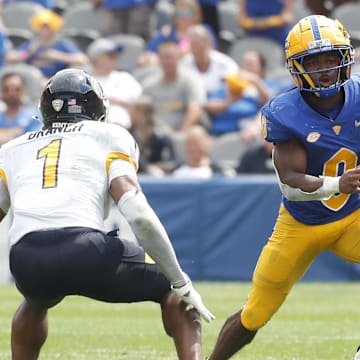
x,y
254,319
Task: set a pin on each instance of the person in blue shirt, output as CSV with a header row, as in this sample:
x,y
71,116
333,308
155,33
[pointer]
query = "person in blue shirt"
x,y
315,129
17,117
46,51
271,18
227,110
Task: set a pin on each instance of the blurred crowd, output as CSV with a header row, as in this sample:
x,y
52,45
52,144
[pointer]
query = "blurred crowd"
x,y
186,77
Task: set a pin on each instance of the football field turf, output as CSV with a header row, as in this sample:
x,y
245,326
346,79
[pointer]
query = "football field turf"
x,y
319,321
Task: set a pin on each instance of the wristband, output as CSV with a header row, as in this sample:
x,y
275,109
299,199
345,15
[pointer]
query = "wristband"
x,y
183,290
329,187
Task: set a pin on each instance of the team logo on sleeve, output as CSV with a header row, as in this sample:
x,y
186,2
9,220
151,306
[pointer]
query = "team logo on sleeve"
x,y
263,126
313,137
57,104
336,129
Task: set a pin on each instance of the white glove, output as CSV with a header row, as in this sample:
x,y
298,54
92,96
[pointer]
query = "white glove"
x,y
188,294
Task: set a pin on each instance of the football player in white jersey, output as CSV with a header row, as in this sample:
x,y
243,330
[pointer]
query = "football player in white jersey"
x,y
59,183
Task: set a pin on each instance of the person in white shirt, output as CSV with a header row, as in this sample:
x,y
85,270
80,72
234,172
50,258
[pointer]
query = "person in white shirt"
x,y
197,163
120,87
178,97
210,65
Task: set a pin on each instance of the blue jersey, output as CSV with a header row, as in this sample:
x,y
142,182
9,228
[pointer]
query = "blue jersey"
x,y
26,120
48,67
332,146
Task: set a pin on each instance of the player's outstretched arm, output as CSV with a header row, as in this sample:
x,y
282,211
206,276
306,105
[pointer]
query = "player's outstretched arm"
x,y
153,237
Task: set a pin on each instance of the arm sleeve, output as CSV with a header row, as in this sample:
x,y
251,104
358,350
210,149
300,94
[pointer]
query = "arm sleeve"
x,y
151,234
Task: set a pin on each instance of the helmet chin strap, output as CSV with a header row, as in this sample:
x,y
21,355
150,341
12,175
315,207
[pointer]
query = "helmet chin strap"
x,y
328,92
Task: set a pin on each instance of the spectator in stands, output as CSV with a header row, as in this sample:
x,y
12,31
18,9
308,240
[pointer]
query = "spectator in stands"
x,y
252,67
252,71
210,65
178,97
187,13
125,17
197,164
271,18
235,104
325,7
120,87
46,51
16,118
256,159
156,147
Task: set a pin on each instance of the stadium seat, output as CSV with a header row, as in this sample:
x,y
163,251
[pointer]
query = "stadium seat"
x,y
17,14
272,51
348,14
227,149
81,17
229,27
300,10
178,140
81,38
18,36
33,78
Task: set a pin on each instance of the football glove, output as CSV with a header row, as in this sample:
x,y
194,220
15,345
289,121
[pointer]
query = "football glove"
x,y
188,294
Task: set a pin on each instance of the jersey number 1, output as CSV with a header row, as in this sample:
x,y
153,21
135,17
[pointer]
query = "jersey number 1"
x,y
51,153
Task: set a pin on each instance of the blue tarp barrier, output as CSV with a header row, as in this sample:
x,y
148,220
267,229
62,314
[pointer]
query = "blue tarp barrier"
x,y
219,227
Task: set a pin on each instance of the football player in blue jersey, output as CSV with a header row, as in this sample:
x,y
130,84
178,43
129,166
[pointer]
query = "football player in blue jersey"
x,y
315,128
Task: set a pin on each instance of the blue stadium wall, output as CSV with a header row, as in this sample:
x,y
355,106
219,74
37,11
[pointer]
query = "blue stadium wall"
x,y
219,227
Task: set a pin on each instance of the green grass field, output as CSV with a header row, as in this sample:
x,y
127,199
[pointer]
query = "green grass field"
x,y
319,321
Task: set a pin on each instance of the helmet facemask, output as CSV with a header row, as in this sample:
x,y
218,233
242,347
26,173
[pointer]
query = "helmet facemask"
x,y
309,81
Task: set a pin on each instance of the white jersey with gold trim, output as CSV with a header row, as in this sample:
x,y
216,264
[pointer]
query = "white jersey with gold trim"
x,y
60,177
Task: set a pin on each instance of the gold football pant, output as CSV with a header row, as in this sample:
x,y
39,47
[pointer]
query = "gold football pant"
x,y
289,252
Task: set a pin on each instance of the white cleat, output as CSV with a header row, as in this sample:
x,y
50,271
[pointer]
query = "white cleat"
x,y
357,355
